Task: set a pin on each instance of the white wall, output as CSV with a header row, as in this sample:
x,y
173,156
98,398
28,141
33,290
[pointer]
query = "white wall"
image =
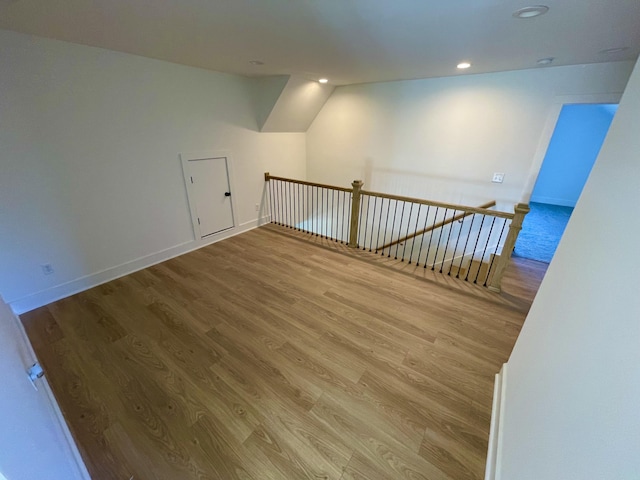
x,y
573,383
35,443
298,104
572,151
90,175
444,138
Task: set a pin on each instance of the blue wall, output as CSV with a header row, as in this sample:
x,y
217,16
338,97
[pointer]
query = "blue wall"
x,y
573,149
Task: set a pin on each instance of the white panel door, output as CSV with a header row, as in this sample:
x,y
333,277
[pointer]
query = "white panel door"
x,y
34,440
211,195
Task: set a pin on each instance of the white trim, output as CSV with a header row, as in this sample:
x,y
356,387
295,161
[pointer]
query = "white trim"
x,y
550,125
494,451
63,433
187,157
563,202
251,224
184,162
232,186
44,297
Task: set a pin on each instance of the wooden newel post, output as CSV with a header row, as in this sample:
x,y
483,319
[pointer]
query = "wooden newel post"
x,y
355,210
521,210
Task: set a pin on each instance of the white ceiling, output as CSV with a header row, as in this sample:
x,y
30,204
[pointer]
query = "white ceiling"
x,y
348,41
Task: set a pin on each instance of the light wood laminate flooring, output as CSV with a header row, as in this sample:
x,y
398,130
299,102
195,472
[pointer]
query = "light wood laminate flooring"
x,y
267,356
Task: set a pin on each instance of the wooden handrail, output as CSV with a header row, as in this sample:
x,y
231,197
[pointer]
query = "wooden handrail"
x,y
435,226
268,177
450,206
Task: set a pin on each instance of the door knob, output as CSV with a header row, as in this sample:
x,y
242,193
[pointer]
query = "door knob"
x,y
227,194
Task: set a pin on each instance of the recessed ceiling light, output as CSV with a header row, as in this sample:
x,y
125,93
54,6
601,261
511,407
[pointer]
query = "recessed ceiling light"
x,y
609,51
545,61
323,80
530,12
256,62
464,65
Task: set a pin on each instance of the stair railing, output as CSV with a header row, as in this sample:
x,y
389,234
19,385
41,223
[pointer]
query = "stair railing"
x,y
455,218
318,209
466,242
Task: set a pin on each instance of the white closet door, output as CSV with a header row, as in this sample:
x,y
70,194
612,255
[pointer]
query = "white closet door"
x,y
211,195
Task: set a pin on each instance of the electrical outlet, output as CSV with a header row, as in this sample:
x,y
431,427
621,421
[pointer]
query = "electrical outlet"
x,y
47,269
498,178
257,207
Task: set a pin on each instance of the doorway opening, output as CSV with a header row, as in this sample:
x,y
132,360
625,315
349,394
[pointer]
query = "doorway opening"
x,y
572,151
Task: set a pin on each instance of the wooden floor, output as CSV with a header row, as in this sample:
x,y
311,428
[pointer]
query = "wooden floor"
x,y
265,356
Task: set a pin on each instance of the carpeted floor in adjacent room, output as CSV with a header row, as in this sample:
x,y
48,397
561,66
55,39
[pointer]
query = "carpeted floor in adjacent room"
x,y
541,231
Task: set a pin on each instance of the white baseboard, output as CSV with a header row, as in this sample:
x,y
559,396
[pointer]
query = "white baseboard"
x,y
44,297
494,453
563,202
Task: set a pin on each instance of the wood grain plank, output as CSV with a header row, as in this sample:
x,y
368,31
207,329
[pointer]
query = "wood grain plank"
x,y
402,403
372,441
296,389
42,329
277,411
443,452
272,356
83,408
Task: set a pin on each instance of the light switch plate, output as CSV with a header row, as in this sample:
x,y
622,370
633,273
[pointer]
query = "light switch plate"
x,y
498,178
